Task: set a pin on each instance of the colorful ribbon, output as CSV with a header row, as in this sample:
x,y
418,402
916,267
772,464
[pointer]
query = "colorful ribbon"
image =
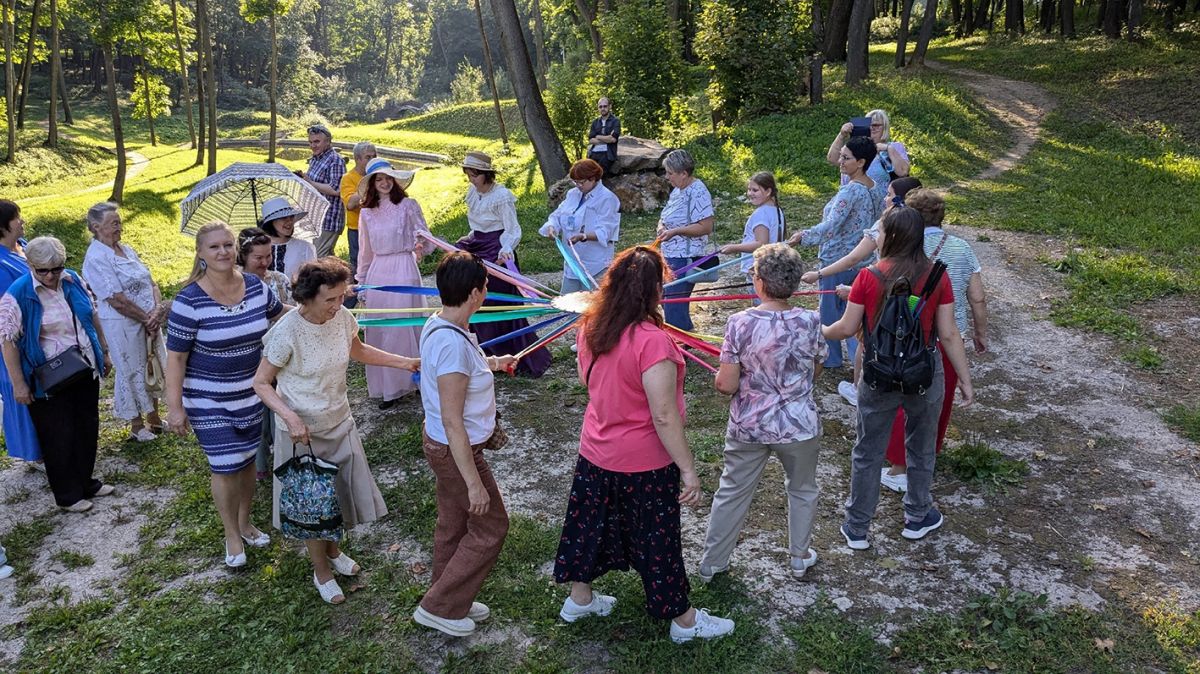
x,y
574,263
549,338
690,277
418,321
697,263
524,331
721,298
432,292
492,267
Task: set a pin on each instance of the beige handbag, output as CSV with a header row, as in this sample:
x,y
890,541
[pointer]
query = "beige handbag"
x,y
156,379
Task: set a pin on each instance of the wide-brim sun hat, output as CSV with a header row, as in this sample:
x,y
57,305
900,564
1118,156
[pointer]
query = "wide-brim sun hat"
x,y
279,207
382,166
478,161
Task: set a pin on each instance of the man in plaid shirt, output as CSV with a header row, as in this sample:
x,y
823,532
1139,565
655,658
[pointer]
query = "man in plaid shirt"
x,y
325,171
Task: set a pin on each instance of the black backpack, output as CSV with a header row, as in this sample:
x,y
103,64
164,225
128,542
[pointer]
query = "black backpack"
x,y
897,356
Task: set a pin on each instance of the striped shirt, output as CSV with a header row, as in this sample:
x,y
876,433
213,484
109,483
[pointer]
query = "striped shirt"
x,y
960,262
328,168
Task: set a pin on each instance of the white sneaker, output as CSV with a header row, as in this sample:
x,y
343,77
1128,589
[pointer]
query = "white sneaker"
x,y
799,566
5,571
601,605
455,628
894,482
706,627
479,612
707,572
849,391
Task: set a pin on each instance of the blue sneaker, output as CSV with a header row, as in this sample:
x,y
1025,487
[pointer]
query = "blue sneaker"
x,y
915,531
855,542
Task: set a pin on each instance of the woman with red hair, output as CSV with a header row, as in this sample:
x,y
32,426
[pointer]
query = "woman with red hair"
x,y
633,455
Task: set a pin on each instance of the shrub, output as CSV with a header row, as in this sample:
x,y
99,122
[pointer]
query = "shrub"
x,y
886,28
642,68
467,83
569,106
751,49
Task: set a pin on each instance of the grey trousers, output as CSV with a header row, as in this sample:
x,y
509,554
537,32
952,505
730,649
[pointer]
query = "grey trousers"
x,y
327,241
744,464
876,413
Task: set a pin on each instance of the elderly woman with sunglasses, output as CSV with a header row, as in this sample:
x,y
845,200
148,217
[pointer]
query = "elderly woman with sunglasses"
x,y
45,316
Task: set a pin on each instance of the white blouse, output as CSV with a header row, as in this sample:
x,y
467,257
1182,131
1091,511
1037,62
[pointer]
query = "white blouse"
x,y
495,210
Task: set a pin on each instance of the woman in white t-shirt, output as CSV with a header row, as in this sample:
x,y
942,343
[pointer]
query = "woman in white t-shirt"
x,y
460,421
765,225
307,352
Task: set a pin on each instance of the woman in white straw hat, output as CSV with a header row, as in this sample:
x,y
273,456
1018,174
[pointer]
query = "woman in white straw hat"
x,y
495,234
279,218
388,248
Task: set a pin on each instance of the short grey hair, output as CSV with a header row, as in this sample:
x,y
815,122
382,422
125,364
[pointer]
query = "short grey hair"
x,y
96,214
361,148
780,268
679,161
45,251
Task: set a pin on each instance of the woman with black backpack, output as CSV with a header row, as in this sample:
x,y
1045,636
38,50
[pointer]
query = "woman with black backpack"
x,y
905,304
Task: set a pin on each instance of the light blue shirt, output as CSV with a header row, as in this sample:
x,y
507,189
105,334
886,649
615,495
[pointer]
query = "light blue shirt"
x,y
597,212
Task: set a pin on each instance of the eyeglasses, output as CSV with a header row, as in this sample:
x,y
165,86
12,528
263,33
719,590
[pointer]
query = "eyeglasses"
x,y
876,126
581,183
49,272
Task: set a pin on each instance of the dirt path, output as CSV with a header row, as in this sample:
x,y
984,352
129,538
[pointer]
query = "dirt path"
x,y
138,162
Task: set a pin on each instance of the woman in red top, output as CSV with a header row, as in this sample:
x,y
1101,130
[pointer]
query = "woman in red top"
x,y
624,506
902,254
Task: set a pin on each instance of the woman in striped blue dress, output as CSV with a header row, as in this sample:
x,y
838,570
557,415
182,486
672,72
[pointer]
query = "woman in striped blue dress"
x,y
214,344
20,439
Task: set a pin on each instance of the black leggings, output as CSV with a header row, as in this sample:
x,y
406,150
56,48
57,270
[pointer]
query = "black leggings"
x,y
68,429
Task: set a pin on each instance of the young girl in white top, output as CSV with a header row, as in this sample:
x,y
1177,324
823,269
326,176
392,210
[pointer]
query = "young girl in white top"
x,y
765,225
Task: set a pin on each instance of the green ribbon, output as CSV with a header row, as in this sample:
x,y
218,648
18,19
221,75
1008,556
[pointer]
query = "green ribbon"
x,y
490,317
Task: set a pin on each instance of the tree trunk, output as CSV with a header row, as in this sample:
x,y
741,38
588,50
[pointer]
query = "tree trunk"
x,y
9,37
588,17
110,72
27,66
68,118
146,87
1112,18
927,23
857,67
210,86
201,111
1046,15
902,35
1134,25
837,30
1066,21
1013,24
968,20
539,40
183,74
274,91
981,13
552,159
816,62
490,71
956,16
52,116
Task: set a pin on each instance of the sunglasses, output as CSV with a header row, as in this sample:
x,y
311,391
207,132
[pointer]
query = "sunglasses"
x,y
50,271
317,128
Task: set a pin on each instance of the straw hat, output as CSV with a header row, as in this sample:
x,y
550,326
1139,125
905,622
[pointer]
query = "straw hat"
x,y
377,166
279,207
478,161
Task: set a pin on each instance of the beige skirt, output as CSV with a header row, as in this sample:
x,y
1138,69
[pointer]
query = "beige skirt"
x,y
358,495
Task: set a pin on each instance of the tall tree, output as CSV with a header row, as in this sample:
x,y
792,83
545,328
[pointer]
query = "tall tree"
x,y
1014,17
68,118
837,29
55,64
1067,19
927,24
147,89
902,35
1112,18
201,109
587,15
857,66
183,72
257,10
968,20
490,71
1134,22
27,64
210,80
539,42
9,10
816,61
552,159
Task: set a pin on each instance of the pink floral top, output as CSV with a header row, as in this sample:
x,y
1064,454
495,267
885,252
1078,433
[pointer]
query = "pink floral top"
x,y
776,351
58,333
387,229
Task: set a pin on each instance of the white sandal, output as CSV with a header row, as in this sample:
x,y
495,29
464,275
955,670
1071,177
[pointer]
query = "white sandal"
x,y
343,565
329,590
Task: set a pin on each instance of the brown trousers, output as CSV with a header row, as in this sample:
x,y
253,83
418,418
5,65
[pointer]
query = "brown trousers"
x,y
465,546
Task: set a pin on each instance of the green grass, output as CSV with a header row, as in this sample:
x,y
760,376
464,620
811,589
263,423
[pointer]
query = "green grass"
x,y
976,461
1186,420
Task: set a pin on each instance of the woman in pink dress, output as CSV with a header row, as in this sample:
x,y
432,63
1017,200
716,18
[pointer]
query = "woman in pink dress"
x,y
388,251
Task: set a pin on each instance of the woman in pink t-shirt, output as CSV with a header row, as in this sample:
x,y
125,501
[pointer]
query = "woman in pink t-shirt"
x,y
624,506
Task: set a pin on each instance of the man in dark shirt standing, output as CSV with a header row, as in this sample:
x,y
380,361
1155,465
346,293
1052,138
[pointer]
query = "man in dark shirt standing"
x,y
602,138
